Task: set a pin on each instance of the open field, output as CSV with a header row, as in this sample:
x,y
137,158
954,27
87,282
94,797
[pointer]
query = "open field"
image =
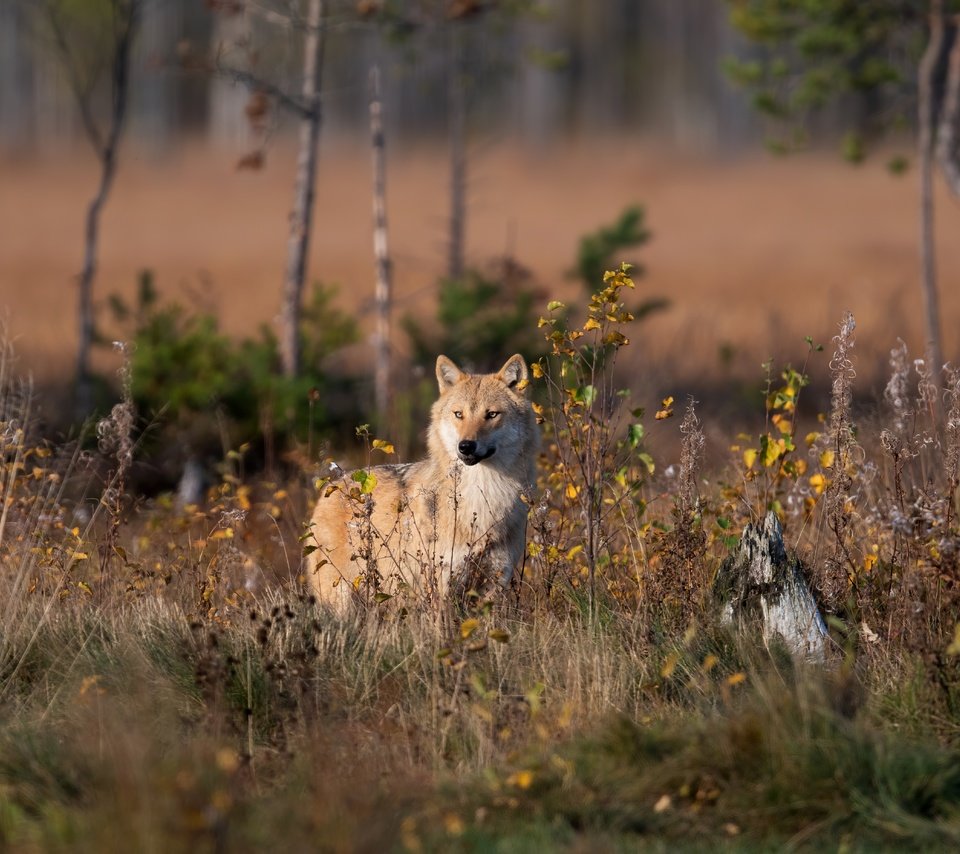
x,y
753,253
683,576
166,683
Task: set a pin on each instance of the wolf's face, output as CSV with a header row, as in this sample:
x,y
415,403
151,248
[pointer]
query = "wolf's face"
x,y
482,417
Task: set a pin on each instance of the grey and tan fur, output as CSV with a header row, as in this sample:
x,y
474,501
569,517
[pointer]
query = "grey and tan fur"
x,y
454,520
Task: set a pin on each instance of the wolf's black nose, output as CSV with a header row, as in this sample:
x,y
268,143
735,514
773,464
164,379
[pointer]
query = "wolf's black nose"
x,y
467,447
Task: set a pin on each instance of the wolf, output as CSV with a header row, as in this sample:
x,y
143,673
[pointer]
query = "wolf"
x,y
451,522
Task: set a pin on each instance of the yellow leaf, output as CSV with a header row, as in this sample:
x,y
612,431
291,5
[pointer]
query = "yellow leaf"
x,y
749,457
227,760
222,534
453,824
521,779
468,627
592,323
669,665
812,437
819,483
954,648
736,678
85,587
772,451
572,490
382,445
826,459
89,683
710,662
667,402
869,561
537,370
663,413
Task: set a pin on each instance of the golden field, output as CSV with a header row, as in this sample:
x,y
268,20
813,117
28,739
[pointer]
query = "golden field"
x,y
754,252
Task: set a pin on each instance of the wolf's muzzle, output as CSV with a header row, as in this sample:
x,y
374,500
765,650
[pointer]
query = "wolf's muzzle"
x,y
467,451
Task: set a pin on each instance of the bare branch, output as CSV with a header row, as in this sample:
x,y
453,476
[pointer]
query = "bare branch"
x,y
259,84
82,93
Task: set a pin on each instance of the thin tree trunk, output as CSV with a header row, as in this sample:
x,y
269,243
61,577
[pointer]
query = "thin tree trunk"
x,y
384,296
926,118
456,105
301,217
128,20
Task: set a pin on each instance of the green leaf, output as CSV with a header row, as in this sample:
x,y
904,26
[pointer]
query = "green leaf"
x,y
585,395
366,479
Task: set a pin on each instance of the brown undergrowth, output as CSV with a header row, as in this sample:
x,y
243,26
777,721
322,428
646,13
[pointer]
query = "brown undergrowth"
x,y
165,681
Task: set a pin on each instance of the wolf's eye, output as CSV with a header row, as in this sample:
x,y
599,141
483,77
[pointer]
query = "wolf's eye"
x,y
458,415
491,414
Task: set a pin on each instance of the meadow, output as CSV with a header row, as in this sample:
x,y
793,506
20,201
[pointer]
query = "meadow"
x,y
166,683
753,252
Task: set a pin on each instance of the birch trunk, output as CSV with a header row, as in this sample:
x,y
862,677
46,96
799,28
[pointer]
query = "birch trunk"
x,y
383,294
926,119
127,19
301,217
456,104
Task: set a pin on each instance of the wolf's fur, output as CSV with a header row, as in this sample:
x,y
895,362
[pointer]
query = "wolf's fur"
x,y
454,519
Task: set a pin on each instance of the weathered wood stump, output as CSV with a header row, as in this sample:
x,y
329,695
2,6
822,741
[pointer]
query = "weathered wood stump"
x,y
760,586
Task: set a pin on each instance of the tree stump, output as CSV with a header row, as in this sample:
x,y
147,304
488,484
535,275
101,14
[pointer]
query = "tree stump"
x,y
760,586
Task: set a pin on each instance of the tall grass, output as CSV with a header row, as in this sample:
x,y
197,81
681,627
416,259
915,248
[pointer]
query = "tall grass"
x,y
167,684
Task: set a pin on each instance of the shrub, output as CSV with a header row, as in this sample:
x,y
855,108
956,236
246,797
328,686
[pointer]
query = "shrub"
x,y
480,317
198,382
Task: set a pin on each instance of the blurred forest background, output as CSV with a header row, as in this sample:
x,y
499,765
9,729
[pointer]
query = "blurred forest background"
x,y
517,128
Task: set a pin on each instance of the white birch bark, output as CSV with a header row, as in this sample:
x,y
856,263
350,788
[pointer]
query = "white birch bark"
x,y
381,253
301,216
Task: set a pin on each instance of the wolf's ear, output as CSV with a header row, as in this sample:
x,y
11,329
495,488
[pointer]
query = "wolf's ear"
x,y
448,374
514,373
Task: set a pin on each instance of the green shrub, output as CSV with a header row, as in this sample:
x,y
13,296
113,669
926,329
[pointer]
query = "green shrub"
x,y
479,318
601,250
196,381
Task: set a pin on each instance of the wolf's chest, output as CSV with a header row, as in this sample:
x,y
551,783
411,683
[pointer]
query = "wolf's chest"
x,y
484,500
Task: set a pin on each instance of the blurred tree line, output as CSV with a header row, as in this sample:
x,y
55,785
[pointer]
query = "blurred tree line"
x,y
562,68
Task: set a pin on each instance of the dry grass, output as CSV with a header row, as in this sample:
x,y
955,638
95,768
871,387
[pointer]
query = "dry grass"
x,y
165,683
